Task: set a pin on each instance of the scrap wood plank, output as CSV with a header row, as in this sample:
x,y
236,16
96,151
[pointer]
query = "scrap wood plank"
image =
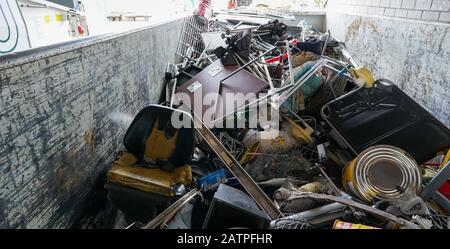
x,y
238,171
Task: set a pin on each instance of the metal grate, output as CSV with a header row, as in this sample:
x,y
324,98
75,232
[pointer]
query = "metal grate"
x,y
190,44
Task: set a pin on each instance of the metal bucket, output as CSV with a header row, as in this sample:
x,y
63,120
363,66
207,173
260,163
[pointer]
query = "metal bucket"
x,y
382,172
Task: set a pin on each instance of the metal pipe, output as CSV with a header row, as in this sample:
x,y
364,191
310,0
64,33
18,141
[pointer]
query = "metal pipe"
x,y
174,87
317,216
269,79
245,65
288,51
326,43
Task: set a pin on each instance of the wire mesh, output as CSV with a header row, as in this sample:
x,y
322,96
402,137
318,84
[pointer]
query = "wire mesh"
x,y
309,152
191,44
235,148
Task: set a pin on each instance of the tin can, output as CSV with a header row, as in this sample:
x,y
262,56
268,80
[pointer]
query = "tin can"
x,y
382,172
346,225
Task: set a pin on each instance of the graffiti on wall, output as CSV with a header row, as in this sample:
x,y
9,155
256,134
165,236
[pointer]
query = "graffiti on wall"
x,y
13,33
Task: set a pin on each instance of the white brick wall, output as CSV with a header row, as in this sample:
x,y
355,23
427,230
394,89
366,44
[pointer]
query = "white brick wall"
x,y
423,4
427,10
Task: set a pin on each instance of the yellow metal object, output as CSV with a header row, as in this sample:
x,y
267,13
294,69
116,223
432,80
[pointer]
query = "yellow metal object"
x,y
303,134
446,159
346,225
151,180
347,175
364,75
158,146
58,17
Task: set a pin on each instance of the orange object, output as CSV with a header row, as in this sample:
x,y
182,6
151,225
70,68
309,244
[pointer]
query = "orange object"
x,y
232,4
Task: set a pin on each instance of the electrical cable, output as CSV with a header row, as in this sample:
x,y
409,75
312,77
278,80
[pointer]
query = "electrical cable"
x,y
17,31
24,23
7,24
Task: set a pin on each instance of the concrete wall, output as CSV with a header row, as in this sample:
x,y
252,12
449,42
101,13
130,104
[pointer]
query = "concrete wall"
x,y
56,132
410,50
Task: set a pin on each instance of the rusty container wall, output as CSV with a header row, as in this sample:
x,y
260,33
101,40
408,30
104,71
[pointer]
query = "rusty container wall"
x,y
56,110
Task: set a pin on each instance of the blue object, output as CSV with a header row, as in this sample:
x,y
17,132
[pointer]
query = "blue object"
x,y
212,180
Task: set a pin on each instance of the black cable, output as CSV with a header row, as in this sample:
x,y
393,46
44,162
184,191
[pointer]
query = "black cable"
x,y
7,24
17,30
24,23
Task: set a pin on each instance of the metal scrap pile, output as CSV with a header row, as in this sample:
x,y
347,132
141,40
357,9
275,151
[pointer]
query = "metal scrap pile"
x,y
351,151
